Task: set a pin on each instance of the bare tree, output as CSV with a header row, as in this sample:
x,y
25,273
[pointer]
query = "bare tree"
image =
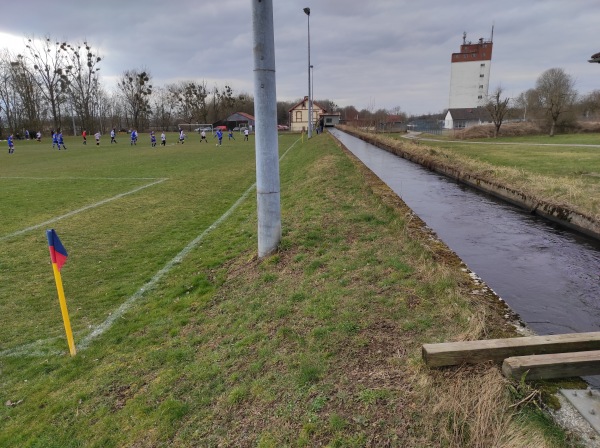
x,y
222,102
556,93
526,103
136,89
328,105
47,64
164,105
498,108
190,99
8,95
82,73
590,105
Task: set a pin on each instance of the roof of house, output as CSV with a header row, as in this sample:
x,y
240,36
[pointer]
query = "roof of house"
x,y
241,117
305,99
470,114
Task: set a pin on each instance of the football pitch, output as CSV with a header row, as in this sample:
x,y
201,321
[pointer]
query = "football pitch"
x,y
126,216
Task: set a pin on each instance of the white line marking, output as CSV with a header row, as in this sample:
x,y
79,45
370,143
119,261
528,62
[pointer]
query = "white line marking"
x,y
79,210
32,349
100,329
125,306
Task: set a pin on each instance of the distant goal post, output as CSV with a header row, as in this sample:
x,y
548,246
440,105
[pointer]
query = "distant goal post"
x,y
196,127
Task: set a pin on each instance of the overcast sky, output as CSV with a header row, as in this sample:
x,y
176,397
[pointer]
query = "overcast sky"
x,y
378,54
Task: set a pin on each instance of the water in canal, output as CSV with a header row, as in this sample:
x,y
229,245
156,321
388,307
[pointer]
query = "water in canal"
x,y
550,276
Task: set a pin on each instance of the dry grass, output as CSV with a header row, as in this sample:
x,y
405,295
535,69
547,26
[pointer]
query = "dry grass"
x,y
506,130
471,406
522,129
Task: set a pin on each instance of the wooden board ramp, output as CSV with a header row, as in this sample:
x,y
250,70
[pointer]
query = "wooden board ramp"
x,y
557,365
497,350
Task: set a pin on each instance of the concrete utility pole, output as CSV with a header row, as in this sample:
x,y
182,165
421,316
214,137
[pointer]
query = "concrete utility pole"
x,y
310,117
267,146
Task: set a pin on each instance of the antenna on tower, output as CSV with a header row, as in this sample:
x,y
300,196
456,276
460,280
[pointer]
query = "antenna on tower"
x,y
464,37
492,38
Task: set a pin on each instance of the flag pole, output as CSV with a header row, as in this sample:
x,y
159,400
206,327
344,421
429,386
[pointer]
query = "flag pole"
x,y
63,308
58,256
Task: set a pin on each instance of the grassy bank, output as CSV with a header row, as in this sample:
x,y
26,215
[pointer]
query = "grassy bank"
x,y
316,345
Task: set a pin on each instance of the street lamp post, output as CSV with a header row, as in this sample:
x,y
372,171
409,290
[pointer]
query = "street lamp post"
x,y
312,83
312,87
307,12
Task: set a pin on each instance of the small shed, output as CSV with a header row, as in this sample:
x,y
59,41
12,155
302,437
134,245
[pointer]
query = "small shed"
x,y
330,120
463,118
239,119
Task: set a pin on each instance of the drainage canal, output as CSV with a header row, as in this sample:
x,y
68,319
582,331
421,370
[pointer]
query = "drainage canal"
x,y
549,275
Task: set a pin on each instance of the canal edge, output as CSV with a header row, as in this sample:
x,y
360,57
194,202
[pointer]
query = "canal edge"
x,y
561,215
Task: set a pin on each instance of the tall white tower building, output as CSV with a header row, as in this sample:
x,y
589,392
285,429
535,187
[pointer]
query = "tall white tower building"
x,y
470,75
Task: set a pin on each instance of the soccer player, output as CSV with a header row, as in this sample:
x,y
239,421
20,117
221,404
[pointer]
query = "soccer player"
x,y
219,135
112,136
203,137
163,139
153,139
181,137
230,135
61,142
133,137
38,136
55,139
246,134
11,145
84,135
97,137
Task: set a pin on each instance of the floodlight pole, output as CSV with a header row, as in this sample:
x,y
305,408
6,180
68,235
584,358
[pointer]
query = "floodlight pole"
x,y
267,146
310,117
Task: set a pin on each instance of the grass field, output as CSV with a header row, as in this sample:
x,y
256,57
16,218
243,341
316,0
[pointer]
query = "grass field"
x,y
186,339
132,208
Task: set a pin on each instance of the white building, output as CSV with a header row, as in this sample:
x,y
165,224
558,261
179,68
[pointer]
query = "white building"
x,y
470,75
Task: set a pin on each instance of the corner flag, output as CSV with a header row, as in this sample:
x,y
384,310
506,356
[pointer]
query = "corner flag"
x,y
58,255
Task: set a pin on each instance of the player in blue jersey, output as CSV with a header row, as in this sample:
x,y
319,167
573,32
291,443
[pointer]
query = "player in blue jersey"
x,y
153,139
11,145
61,142
55,139
133,137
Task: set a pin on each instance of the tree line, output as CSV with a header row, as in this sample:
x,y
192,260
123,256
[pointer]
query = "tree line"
x,y
554,102
56,85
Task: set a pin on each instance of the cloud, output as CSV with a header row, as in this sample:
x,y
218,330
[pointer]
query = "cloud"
x,y
367,54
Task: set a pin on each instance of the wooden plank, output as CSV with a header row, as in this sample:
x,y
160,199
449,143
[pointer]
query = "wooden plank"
x,y
472,352
557,365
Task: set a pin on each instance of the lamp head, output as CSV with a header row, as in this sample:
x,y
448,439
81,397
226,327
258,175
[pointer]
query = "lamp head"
x,y
307,11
